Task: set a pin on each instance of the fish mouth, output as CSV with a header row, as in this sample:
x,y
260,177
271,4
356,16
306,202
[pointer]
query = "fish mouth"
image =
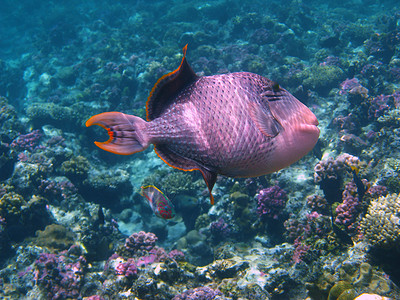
x,y
307,129
310,118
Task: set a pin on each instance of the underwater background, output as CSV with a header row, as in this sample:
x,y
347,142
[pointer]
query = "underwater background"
x,y
73,224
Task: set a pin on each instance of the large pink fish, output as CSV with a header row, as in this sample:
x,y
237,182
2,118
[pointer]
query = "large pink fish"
x,y
238,125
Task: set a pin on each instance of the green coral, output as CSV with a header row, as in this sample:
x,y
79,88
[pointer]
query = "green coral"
x,y
243,214
390,118
348,279
321,78
358,32
10,206
67,75
106,186
45,113
393,184
202,221
76,168
254,64
172,182
9,123
22,217
55,236
381,224
63,116
340,289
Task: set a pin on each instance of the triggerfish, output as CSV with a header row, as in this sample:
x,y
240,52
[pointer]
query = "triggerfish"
x,y
159,203
236,124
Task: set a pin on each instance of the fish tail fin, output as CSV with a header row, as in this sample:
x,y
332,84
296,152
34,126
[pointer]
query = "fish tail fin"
x,y
127,133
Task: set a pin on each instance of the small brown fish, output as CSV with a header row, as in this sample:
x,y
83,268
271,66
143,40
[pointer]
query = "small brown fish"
x,y
238,125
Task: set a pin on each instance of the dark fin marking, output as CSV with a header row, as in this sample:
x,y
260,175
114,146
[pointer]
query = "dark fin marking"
x,y
126,132
210,178
264,119
178,162
168,86
275,87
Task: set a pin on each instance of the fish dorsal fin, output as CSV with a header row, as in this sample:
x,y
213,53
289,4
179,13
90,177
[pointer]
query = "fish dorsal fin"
x,y
169,85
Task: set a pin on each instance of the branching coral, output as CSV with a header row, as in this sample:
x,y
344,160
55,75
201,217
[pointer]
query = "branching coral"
x,y
381,225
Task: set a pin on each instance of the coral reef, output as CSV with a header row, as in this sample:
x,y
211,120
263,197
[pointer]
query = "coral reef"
x,y
280,236
350,208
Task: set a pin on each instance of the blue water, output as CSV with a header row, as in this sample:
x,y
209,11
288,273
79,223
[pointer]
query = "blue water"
x,y
63,61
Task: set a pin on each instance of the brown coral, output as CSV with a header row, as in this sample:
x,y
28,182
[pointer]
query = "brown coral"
x,y
381,224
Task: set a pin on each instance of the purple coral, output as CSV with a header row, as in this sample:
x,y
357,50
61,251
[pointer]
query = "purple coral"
x,y
219,229
314,225
199,293
94,297
318,224
27,141
377,191
382,103
296,230
140,241
271,202
176,255
158,254
61,190
353,86
60,275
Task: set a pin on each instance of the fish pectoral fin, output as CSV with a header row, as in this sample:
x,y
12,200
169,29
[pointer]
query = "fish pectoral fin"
x,y
264,119
210,178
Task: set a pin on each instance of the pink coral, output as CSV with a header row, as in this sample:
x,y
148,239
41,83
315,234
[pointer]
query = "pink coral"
x,y
60,274
300,252
127,268
317,203
348,211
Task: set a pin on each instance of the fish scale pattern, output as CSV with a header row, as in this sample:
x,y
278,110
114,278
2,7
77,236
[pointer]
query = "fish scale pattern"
x,y
210,123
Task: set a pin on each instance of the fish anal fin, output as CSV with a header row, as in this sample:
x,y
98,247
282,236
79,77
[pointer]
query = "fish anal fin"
x,y
184,164
264,119
210,178
173,160
168,86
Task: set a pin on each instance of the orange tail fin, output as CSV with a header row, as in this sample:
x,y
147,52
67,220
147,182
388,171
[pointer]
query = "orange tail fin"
x,y
127,133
